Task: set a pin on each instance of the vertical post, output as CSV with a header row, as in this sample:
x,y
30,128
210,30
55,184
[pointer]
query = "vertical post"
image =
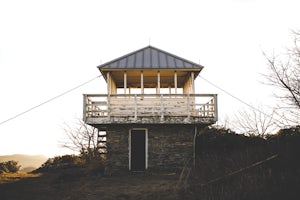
x,y
108,106
125,82
216,107
170,91
184,88
142,82
204,110
135,107
84,107
158,83
193,83
212,107
108,83
188,105
98,139
175,81
161,108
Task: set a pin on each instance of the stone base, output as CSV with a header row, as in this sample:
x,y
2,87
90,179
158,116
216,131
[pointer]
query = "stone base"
x,y
169,147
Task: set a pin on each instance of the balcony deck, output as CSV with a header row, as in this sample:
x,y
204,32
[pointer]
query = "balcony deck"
x,y
150,109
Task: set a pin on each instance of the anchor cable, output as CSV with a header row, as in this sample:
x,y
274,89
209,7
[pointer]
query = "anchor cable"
x,y
48,101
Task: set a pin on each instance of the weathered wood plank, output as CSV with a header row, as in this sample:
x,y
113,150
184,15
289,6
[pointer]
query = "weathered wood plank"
x,y
151,106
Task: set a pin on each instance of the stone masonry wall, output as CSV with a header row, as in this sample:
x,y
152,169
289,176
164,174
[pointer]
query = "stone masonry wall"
x,y
117,148
169,146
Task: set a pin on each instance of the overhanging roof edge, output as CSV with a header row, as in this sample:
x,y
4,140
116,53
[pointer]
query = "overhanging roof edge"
x,y
102,66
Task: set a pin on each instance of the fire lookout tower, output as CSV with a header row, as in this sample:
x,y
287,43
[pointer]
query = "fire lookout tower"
x,y
150,112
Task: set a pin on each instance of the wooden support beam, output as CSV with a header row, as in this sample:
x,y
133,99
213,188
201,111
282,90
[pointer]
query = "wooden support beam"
x,y
161,108
193,83
216,107
85,102
142,82
108,83
125,82
158,83
135,107
175,81
188,106
108,106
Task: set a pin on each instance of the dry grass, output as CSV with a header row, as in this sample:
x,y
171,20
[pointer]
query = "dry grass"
x,y
67,184
231,166
11,177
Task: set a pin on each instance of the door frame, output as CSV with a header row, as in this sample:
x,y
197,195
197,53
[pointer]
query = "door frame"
x,y
146,146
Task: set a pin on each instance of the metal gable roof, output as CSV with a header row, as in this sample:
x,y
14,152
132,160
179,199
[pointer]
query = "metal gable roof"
x,y
150,58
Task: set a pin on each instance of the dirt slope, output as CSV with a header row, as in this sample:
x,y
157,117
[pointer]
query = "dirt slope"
x,y
67,185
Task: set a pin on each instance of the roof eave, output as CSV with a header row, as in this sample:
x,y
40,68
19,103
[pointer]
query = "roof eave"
x,y
173,69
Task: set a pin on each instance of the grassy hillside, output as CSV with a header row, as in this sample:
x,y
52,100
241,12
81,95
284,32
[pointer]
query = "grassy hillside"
x,y
232,166
227,166
28,162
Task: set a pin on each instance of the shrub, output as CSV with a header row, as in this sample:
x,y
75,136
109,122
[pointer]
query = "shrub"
x,y
62,162
225,165
9,167
86,164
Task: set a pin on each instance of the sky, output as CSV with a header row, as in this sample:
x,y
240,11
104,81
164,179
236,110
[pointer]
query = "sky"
x,y
49,47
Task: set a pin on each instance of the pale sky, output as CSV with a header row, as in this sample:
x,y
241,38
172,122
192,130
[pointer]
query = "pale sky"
x,y
49,47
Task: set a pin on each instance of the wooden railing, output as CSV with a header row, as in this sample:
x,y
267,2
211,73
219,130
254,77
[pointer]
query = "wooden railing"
x,y
150,105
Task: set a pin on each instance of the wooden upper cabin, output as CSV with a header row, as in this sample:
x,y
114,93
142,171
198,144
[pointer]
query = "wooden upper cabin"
x,y
150,86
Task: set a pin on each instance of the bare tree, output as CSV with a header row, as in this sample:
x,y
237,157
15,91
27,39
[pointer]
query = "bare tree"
x,y
224,122
81,138
285,76
256,121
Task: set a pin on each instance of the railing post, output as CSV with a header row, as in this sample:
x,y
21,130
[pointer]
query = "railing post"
x,y
135,107
188,106
216,107
108,106
204,110
161,108
84,107
201,111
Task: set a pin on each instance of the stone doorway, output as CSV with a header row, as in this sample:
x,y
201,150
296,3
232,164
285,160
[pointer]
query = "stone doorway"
x,y
138,149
